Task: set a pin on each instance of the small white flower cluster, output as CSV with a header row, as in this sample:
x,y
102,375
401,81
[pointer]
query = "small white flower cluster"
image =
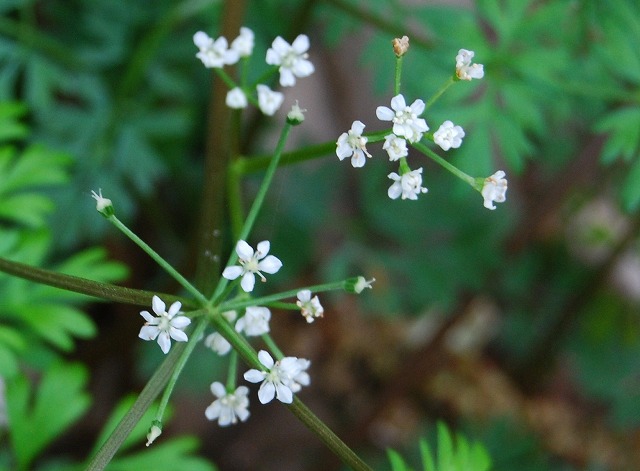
x,y
292,61
279,379
409,128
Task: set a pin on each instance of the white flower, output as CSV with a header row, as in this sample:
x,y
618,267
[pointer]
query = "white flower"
x,y
362,283
217,343
268,100
296,115
283,378
353,144
465,70
103,205
448,136
236,98
255,321
166,325
395,146
252,263
228,407
243,44
310,307
405,118
292,59
409,185
154,432
494,189
301,378
214,54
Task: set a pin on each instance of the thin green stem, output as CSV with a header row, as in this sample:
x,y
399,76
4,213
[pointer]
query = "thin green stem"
x,y
234,196
89,287
330,439
109,448
398,75
257,204
452,168
241,304
450,81
179,366
232,372
158,259
271,345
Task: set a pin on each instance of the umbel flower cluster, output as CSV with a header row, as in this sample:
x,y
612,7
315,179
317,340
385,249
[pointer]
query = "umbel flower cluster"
x,y
409,128
291,60
236,315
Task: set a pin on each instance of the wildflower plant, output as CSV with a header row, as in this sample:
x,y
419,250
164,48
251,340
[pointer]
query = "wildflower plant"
x,y
230,318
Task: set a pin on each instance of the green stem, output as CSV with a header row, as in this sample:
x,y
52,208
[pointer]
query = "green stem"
x,y
302,412
89,287
158,259
330,439
179,366
106,452
235,305
252,164
452,168
271,345
450,81
234,196
257,204
396,82
233,371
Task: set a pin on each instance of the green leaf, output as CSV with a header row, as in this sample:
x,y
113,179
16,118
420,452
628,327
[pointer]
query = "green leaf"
x,y
623,127
59,323
426,456
397,463
10,127
168,456
445,448
39,416
631,188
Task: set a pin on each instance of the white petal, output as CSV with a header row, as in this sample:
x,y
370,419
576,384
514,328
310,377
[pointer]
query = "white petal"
x,y
218,389
248,282
244,250
284,394
358,160
254,376
158,305
357,127
303,68
266,392
148,317
270,264
202,40
233,272
398,103
280,46
287,79
395,190
213,411
273,58
148,332
178,335
384,114
301,44
180,322
418,107
165,342
263,248
174,309
265,359
344,150
304,295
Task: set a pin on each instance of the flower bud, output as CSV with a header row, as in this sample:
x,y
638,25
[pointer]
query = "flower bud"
x,y
400,46
357,285
103,205
154,432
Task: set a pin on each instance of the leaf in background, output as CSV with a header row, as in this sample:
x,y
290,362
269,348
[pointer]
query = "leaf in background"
x,y
623,128
39,415
397,463
163,455
35,167
10,127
